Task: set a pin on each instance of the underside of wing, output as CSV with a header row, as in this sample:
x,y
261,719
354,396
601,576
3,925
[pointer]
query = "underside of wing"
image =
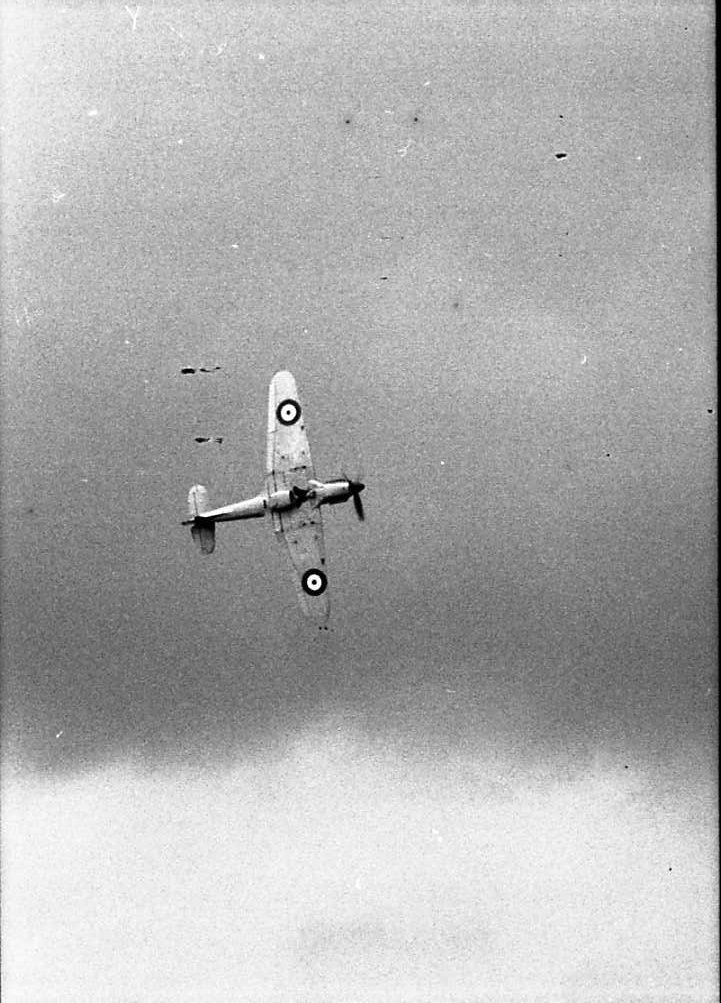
x,y
302,530
288,462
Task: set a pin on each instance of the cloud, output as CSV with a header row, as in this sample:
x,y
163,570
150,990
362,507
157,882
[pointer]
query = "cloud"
x,y
337,867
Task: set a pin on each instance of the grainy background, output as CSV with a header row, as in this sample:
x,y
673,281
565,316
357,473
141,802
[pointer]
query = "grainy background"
x,y
493,778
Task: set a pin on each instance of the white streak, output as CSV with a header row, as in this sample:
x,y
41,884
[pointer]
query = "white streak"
x,y
133,16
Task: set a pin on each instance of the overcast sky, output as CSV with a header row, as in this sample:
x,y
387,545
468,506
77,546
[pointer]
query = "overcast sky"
x,y
481,237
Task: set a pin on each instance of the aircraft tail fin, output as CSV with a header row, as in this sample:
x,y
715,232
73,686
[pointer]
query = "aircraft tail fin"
x,y
202,531
198,501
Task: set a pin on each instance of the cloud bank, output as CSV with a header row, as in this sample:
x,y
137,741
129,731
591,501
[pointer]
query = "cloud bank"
x,y
338,867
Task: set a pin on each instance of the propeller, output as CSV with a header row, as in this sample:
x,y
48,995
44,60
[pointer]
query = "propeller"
x,y
358,504
355,488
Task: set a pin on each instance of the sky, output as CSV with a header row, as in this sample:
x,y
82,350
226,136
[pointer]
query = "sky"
x,y
481,237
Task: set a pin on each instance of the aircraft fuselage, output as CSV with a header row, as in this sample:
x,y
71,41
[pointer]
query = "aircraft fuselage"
x,y
317,493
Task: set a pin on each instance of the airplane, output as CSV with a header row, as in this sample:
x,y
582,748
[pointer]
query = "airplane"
x,y
293,497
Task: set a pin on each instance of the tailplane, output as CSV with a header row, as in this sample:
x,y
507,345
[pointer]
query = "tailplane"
x,y
202,530
204,535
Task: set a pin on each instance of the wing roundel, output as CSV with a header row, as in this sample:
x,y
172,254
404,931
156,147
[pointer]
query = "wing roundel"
x,y
314,582
288,412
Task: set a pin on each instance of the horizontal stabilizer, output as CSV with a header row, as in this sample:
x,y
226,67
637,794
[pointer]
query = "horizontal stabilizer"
x,y
204,535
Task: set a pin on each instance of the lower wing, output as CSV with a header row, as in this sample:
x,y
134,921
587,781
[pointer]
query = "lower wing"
x,y
302,530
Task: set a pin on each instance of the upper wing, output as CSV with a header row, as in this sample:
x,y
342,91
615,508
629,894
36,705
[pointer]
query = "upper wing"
x,y
302,530
288,457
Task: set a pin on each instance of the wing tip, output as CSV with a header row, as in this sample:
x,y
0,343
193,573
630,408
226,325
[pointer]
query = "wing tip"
x,y
283,384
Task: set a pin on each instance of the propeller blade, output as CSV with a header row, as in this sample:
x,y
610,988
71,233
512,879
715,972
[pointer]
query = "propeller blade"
x,y
358,505
355,488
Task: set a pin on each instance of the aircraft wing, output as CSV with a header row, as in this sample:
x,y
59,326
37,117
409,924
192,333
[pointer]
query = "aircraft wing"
x,y
302,530
288,462
289,465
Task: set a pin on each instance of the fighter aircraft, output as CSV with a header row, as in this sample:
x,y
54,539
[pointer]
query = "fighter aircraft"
x,y
293,497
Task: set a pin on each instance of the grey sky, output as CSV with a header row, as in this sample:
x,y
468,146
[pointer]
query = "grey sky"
x,y
516,350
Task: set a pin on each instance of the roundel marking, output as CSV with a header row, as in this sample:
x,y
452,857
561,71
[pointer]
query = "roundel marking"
x,y
314,582
288,411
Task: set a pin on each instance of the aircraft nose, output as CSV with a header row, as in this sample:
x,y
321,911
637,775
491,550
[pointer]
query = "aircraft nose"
x,y
358,486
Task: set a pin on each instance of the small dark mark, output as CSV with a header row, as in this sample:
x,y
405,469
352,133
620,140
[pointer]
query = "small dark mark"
x,y
201,438
608,454
560,116
560,156
415,118
347,121
670,868
187,369
211,369
456,304
384,278
709,410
